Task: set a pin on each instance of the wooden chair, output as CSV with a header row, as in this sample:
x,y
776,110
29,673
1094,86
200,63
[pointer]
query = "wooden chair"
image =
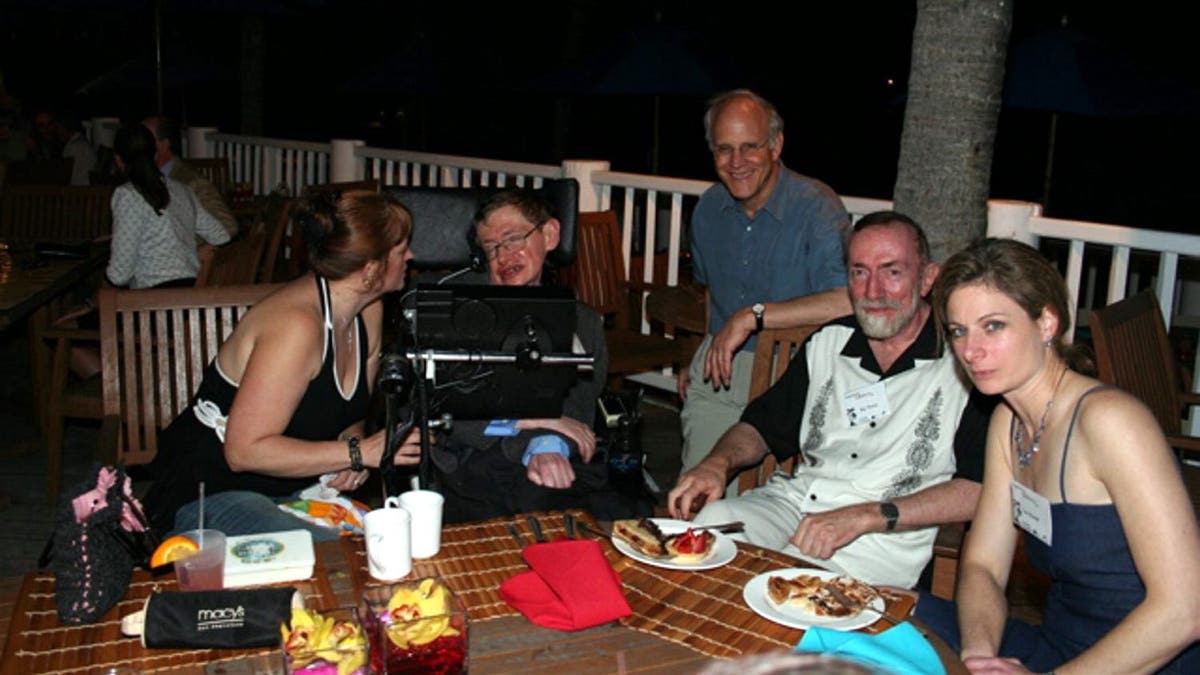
x,y
277,217
772,354
44,172
215,170
55,213
369,184
154,347
235,263
599,281
66,399
1134,353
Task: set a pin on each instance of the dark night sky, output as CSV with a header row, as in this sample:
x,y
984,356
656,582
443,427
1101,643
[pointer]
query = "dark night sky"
x,y
484,81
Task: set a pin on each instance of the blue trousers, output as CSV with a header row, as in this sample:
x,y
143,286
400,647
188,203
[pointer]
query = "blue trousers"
x,y
242,512
1023,641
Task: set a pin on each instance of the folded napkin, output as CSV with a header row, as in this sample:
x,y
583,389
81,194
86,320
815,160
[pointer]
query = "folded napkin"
x,y
900,649
571,586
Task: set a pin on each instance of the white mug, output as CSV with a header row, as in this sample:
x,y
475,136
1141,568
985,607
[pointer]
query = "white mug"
x,y
389,542
425,507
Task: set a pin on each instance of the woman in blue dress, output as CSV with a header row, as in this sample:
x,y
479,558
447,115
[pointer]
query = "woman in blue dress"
x,y
1079,469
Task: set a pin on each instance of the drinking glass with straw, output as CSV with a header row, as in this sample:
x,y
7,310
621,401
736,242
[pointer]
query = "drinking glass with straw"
x,y
204,570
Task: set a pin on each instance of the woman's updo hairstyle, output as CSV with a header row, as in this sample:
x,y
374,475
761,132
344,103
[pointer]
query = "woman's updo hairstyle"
x,y
1020,272
134,144
346,231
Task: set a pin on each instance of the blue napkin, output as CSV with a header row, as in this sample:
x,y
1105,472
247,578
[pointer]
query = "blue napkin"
x,y
900,649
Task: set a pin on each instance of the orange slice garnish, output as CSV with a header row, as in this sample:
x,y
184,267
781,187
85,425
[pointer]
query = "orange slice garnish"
x,y
174,548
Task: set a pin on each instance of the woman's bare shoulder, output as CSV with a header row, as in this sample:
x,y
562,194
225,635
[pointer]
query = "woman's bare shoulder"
x,y
287,323
1117,428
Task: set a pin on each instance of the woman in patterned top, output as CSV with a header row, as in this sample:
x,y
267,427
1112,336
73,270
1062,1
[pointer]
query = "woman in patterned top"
x,y
156,220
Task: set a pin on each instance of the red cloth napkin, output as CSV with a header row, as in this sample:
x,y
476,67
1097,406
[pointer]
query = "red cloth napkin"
x,y
571,586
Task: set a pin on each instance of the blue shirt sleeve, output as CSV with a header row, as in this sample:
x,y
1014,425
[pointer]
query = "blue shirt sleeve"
x,y
539,445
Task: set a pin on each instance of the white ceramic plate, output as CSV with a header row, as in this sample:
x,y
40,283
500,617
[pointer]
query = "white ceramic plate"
x,y
755,595
724,549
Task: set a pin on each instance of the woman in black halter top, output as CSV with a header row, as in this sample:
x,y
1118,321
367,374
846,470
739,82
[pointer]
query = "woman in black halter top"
x,y
285,398
1082,471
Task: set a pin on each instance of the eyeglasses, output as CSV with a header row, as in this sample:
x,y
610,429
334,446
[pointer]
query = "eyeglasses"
x,y
726,151
512,244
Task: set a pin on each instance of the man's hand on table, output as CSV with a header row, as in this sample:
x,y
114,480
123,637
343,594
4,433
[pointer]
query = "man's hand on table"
x,y
550,470
820,535
718,362
703,484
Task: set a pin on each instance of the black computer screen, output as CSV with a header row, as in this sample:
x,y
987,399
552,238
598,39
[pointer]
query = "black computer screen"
x,y
471,320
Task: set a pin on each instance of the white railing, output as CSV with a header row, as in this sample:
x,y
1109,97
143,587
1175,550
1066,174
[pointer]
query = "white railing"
x,y
1096,252
266,163
654,212
1121,254
404,167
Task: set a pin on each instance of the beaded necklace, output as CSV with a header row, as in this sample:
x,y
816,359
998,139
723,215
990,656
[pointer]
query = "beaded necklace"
x,y
1025,456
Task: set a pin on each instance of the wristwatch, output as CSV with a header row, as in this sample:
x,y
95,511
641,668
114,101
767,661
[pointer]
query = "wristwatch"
x,y
759,309
890,513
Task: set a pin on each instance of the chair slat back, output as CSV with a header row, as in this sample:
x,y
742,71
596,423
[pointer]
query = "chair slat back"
x,y
60,213
370,185
55,171
598,274
274,262
234,264
215,170
1134,353
154,347
772,354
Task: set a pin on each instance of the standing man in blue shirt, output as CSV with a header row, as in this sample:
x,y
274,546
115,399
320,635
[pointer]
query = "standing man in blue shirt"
x,y
767,242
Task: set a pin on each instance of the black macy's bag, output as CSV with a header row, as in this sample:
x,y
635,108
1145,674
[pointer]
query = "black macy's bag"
x,y
226,619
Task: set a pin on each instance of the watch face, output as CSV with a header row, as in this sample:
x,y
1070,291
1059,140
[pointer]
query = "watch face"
x,y
890,513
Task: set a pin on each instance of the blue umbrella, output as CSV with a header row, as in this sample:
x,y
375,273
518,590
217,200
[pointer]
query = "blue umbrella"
x,y
1065,71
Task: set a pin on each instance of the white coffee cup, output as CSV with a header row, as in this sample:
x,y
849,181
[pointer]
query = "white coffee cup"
x,y
425,507
389,542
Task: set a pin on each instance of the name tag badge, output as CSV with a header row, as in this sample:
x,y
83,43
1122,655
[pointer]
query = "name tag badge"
x,y
1031,512
866,404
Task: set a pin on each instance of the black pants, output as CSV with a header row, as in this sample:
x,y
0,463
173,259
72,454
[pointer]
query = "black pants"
x,y
486,484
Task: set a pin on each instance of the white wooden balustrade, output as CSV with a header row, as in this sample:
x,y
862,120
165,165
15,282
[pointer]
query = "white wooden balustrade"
x,y
654,212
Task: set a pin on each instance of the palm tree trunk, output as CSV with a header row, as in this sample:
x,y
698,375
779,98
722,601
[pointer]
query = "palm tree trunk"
x,y
954,88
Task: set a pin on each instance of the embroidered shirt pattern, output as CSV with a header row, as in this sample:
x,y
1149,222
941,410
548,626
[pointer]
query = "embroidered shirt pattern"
x,y
816,423
920,451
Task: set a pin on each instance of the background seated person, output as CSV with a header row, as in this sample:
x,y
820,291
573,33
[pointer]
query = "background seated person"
x,y
549,463
156,220
156,223
284,400
167,142
874,408
1081,471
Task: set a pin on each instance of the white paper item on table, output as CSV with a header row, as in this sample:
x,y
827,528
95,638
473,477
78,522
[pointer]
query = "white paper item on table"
x,y
425,507
388,536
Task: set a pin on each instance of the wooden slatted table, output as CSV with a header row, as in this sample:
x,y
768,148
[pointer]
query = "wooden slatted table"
x,y
680,619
